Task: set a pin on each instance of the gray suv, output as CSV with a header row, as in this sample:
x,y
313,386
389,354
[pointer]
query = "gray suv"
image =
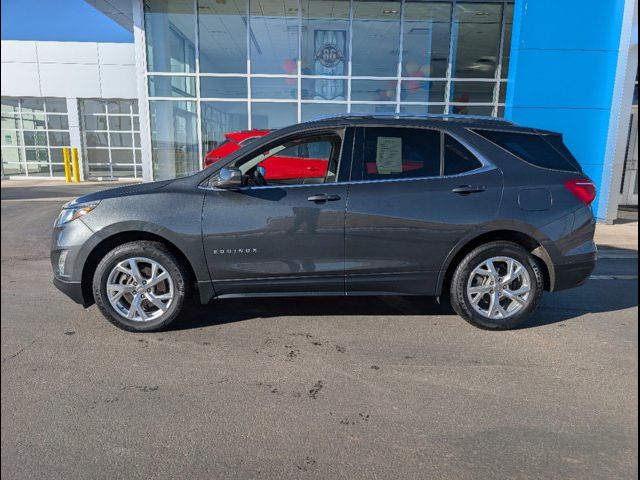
x,y
480,211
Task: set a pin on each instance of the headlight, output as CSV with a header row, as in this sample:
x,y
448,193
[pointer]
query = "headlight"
x,y
71,211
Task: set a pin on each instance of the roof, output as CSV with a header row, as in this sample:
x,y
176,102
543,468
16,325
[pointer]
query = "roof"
x,y
435,121
429,117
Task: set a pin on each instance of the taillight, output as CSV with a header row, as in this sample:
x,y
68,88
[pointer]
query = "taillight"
x,y
584,190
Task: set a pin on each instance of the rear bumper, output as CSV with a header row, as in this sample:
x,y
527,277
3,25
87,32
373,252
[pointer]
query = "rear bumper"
x,y
73,290
573,274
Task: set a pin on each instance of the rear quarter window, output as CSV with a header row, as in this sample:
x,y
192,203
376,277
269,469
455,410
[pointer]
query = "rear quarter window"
x,y
541,150
457,159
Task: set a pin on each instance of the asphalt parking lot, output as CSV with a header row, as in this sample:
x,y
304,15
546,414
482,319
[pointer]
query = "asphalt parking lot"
x,y
311,388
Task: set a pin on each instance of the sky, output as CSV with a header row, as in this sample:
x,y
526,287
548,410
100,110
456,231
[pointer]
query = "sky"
x,y
59,20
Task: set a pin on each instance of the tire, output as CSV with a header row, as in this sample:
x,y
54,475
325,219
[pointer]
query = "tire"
x,y
168,294
467,279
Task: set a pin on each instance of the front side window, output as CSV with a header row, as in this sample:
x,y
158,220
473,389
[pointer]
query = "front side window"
x,y
400,153
297,162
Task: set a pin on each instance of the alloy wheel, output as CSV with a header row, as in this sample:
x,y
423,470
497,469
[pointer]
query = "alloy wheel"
x,y
499,288
140,289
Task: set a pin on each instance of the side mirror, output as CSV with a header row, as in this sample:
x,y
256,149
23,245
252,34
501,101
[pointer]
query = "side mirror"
x,y
227,177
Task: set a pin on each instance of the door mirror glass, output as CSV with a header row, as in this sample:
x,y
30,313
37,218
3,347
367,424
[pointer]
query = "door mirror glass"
x,y
227,177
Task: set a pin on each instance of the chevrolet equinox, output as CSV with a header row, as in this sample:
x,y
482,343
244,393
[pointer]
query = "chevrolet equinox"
x,y
483,212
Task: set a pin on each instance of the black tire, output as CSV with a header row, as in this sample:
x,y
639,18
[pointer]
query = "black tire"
x,y
154,251
458,289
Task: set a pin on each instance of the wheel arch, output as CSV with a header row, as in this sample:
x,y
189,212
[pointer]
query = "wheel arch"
x,y
527,241
107,244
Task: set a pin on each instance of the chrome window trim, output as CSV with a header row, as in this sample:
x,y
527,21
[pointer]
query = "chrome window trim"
x,y
483,169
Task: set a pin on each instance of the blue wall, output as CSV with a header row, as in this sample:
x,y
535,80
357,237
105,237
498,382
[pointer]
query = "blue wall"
x,y
564,55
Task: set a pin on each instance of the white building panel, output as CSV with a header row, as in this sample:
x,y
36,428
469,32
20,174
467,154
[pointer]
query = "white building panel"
x,y
20,79
68,52
18,51
116,54
68,69
118,81
64,80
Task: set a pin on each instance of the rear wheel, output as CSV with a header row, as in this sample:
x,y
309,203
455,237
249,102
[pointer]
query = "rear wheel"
x,y
497,286
140,286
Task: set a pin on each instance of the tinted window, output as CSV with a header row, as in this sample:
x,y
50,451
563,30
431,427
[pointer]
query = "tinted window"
x,y
400,153
457,159
314,150
546,151
556,142
313,160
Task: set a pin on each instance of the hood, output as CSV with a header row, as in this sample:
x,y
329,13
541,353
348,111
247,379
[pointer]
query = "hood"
x,y
137,189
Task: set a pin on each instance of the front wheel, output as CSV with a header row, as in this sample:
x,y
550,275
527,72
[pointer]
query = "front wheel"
x,y
497,286
140,286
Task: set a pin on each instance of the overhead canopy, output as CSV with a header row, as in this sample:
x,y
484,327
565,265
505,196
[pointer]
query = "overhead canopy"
x,y
120,11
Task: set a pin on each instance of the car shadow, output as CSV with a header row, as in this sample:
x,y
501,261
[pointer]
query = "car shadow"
x,y
595,297
222,311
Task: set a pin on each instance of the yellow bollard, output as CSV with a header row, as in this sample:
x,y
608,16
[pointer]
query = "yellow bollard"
x,y
67,165
76,165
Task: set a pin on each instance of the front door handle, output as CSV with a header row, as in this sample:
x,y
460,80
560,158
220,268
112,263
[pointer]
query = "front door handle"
x,y
323,197
468,189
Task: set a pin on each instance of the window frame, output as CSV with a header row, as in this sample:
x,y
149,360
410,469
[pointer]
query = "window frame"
x,y
345,157
95,108
334,154
21,129
466,147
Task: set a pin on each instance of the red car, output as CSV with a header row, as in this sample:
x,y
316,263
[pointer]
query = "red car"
x,y
288,164
233,141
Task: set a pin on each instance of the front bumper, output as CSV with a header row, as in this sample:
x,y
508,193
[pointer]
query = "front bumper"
x,y
73,290
69,240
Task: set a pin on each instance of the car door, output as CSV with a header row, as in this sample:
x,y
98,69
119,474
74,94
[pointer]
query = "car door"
x,y
286,236
415,194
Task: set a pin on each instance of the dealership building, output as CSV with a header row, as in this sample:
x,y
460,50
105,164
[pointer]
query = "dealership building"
x,y
194,70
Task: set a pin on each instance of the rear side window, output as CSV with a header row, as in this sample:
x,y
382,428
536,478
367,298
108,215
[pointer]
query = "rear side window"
x,y
457,159
400,153
544,150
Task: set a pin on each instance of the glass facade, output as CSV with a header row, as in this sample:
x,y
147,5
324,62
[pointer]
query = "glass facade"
x,y
34,131
111,131
216,67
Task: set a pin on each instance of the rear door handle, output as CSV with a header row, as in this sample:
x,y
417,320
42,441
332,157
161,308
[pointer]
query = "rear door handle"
x,y
468,189
323,197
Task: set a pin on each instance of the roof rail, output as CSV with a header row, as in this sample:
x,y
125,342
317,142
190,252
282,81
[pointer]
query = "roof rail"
x,y
428,116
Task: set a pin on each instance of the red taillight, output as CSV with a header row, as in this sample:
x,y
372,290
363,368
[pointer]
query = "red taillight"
x,y
584,190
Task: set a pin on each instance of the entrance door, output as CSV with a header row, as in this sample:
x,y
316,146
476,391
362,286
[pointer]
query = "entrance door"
x,y
629,187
